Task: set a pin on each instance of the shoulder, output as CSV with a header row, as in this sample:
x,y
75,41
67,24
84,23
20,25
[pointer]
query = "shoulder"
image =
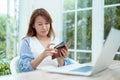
x,y
28,39
25,40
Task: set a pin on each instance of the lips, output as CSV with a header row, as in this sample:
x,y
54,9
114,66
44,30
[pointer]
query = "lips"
x,y
43,31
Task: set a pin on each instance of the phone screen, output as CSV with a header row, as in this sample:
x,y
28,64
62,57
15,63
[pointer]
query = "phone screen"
x,y
60,45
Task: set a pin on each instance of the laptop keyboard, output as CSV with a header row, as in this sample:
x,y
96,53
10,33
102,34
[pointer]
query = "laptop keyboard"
x,y
83,69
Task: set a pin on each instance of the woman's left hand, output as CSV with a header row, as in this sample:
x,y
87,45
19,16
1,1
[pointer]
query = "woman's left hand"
x,y
63,52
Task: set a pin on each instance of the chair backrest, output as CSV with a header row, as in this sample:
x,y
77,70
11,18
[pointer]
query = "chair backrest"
x,y
13,65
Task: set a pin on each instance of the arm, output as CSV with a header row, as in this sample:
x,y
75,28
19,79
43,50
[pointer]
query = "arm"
x,y
26,56
27,62
62,59
64,62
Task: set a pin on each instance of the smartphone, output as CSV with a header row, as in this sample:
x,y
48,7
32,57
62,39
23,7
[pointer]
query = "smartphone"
x,y
60,45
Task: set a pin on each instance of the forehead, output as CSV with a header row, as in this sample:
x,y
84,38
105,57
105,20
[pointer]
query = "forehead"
x,y
40,19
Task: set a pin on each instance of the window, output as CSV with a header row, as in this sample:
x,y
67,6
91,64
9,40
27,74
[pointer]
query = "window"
x,y
112,18
81,22
8,33
77,25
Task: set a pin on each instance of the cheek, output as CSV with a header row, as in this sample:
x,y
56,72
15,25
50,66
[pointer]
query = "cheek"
x,y
48,28
35,28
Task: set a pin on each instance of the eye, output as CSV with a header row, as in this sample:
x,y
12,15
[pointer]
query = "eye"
x,y
47,23
40,24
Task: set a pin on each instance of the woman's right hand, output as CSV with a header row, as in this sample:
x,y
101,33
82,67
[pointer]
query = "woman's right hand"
x,y
49,51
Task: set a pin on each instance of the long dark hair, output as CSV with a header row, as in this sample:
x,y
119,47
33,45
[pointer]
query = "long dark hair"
x,y
40,12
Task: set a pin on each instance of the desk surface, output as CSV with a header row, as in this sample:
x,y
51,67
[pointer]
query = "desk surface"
x,y
112,73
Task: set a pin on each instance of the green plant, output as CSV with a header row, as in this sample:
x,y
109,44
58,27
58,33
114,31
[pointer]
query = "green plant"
x,y
2,32
4,67
4,61
117,57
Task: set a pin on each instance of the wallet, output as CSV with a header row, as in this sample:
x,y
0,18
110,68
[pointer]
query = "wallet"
x,y
60,46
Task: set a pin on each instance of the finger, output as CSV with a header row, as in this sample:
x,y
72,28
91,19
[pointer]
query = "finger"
x,y
61,55
59,52
48,46
49,53
65,53
48,49
51,49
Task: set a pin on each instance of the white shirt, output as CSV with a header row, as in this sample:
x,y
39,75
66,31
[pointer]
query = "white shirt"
x,y
37,48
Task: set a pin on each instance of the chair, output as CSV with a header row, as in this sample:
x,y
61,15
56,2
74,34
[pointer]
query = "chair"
x,y
13,65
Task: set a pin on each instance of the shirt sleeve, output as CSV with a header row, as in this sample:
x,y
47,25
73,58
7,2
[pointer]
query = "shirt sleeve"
x,y
67,61
25,56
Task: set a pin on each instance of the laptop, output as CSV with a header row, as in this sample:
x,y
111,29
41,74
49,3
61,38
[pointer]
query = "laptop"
x,y
105,58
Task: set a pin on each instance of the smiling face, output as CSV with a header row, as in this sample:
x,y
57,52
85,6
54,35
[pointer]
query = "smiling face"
x,y
41,26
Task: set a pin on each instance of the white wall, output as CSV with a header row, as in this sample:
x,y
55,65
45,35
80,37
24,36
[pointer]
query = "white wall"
x,y
54,7
25,9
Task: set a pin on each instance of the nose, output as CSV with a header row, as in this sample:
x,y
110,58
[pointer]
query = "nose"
x,y
44,26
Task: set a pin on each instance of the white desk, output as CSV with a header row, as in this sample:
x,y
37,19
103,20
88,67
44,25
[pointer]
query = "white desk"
x,y
112,73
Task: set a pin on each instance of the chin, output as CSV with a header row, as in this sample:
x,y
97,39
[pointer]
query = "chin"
x,y
44,35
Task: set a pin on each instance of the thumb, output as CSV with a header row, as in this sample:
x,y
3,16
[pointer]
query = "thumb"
x,y
48,46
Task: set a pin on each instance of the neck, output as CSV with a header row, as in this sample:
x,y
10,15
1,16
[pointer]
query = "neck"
x,y
42,38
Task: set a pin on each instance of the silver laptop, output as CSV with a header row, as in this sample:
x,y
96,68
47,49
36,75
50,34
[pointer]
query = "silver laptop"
x,y
105,58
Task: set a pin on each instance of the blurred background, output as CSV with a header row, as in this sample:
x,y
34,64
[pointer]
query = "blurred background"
x,y
86,22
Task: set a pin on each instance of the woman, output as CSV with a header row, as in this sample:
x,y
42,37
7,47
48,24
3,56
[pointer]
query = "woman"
x,y
35,50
